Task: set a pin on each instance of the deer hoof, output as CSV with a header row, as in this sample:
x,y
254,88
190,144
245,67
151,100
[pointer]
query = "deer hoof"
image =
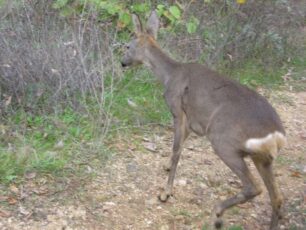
x,y
163,197
218,223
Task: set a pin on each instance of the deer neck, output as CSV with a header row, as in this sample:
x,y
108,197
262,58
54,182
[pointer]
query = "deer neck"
x,y
160,64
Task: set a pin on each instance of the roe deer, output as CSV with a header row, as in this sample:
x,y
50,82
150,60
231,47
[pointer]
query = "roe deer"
x,y
236,120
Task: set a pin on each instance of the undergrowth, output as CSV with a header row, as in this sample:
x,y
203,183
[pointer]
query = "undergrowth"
x,y
253,74
48,143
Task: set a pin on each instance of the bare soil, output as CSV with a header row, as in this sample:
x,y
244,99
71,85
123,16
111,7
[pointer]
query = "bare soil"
x,y
123,193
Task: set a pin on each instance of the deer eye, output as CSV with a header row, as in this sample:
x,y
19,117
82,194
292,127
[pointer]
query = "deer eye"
x,y
127,47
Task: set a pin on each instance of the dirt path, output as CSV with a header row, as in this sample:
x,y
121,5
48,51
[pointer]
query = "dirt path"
x,y
124,194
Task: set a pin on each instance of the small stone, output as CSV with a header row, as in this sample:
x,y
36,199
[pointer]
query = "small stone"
x,y
30,175
59,145
150,146
190,147
203,186
51,218
131,167
24,211
109,203
179,218
207,162
195,201
149,222
171,200
131,103
164,227
182,182
278,173
151,202
107,206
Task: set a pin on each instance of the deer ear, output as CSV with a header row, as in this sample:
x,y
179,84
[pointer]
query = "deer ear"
x,y
153,24
137,24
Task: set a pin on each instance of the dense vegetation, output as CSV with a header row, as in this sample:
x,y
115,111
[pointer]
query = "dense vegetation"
x,y
63,95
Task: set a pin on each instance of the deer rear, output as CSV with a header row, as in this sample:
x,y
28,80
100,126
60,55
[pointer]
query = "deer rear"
x,y
236,120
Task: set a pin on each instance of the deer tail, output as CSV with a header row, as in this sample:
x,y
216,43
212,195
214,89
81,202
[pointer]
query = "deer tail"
x,y
266,148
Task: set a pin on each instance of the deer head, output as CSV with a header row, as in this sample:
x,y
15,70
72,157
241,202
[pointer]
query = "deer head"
x,y
135,52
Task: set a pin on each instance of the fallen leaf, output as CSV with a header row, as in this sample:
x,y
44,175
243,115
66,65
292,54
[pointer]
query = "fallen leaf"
x,y
296,174
4,213
11,200
3,198
14,189
41,191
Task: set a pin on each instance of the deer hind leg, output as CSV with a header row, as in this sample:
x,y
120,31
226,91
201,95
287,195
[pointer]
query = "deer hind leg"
x,y
180,134
266,172
250,189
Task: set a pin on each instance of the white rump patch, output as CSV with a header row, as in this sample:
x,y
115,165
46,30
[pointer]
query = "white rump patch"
x,y
268,144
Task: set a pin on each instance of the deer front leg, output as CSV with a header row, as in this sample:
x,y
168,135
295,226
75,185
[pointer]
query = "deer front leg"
x,y
180,135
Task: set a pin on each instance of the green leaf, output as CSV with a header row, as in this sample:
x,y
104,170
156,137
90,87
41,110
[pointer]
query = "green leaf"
x,y
66,11
168,15
58,4
175,11
160,9
192,25
140,8
125,18
112,8
101,5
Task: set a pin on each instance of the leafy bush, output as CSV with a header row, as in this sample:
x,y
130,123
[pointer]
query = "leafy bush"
x,y
55,52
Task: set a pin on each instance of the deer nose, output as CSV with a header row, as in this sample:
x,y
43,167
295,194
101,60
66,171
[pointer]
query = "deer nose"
x,y
123,64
